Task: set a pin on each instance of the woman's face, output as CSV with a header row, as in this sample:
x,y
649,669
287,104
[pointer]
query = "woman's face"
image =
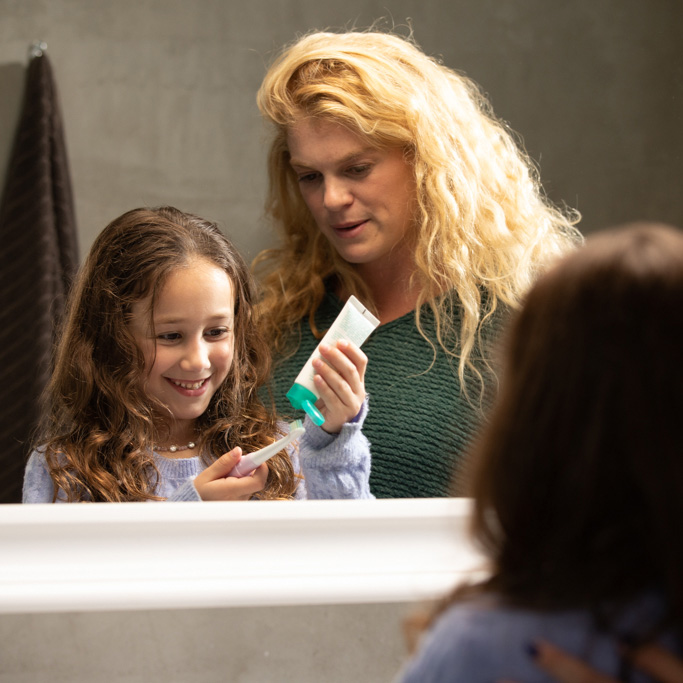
x,y
361,198
189,351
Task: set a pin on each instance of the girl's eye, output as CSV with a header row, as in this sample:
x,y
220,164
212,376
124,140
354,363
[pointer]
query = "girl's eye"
x,y
217,333
169,336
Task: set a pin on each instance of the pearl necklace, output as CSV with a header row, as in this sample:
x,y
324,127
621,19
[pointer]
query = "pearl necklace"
x,y
173,448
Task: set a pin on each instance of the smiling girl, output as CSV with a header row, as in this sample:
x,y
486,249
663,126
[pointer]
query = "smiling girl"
x,y
155,391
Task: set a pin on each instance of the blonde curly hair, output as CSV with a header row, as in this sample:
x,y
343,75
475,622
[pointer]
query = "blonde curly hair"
x,y
483,229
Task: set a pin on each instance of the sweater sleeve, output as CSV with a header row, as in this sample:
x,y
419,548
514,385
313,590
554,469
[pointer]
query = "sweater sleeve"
x,y
334,465
38,484
185,493
448,654
39,487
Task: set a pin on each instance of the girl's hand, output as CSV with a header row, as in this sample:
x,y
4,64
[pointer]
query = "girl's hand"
x,y
652,659
658,662
215,484
340,383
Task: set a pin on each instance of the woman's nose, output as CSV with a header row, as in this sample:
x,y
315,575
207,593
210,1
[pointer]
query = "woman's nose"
x,y
336,194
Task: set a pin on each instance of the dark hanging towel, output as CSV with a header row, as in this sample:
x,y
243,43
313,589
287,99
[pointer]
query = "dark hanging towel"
x,y
38,259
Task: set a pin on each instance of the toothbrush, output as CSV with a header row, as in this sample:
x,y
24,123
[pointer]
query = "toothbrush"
x,y
250,462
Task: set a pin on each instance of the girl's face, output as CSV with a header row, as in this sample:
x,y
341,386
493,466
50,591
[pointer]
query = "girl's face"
x,y
362,199
189,351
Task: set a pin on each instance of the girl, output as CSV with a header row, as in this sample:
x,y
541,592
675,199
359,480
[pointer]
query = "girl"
x,y
154,394
391,179
577,477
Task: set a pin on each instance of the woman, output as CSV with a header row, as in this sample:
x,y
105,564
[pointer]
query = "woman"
x,y
577,478
391,179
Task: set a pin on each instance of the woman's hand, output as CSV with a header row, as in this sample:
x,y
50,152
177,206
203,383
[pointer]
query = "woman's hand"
x,y
340,383
215,484
651,659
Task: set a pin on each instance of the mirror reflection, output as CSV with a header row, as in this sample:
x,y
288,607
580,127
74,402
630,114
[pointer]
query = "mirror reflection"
x,y
386,176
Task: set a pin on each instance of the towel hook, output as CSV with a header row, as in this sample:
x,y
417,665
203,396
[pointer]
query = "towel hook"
x,y
37,48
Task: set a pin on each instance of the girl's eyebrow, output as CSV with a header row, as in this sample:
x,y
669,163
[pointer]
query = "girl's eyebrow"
x,y
170,320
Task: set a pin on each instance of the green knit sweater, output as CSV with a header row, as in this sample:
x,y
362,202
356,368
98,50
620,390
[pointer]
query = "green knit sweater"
x,y
420,422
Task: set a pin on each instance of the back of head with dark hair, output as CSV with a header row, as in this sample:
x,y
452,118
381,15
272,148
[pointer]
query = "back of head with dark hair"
x,y
577,480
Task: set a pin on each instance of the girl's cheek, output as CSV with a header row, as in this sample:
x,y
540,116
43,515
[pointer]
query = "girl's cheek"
x,y
151,356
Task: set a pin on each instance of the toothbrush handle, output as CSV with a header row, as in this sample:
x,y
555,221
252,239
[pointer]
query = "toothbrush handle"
x,y
243,468
250,462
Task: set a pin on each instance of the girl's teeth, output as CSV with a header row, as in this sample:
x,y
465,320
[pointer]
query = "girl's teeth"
x,y
189,385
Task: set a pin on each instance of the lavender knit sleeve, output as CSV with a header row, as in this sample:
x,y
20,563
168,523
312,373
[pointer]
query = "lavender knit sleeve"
x,y
335,465
185,493
38,485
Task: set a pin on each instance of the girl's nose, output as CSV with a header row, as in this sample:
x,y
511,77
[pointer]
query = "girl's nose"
x,y
336,194
196,356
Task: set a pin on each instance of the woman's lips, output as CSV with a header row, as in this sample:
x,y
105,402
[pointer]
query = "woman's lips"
x,y
350,229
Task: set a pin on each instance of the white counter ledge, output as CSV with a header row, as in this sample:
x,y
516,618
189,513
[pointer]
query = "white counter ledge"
x,y
183,555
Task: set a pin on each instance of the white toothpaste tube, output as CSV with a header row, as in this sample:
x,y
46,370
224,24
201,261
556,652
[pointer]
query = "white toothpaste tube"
x,y
354,323
250,462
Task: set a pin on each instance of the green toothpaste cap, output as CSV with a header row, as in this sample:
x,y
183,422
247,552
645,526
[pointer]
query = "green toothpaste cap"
x,y
303,399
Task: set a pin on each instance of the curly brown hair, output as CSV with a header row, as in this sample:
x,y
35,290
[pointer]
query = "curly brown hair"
x,y
98,424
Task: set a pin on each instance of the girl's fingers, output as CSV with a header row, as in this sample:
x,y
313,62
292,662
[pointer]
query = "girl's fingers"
x,y
255,482
333,386
654,660
339,382
347,359
658,662
219,468
225,463
563,667
343,369
233,488
214,484
355,355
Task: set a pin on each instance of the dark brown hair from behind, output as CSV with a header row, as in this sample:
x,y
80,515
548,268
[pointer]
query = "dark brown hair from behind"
x,y
577,478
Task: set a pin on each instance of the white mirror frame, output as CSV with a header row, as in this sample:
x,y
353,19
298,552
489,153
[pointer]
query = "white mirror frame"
x,y
186,555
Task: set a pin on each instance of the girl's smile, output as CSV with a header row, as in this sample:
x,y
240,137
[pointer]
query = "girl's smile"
x,y
189,349
189,388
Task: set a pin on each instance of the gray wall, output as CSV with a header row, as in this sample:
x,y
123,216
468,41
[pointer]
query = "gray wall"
x,y
318,644
158,95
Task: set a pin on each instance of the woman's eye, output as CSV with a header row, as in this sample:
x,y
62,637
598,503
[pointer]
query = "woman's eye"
x,y
360,170
308,177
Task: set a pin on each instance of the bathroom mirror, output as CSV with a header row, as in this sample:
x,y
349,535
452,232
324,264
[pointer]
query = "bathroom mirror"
x,y
159,106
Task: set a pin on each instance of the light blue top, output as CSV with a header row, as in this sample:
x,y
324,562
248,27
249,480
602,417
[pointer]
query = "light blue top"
x,y
333,466
482,641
